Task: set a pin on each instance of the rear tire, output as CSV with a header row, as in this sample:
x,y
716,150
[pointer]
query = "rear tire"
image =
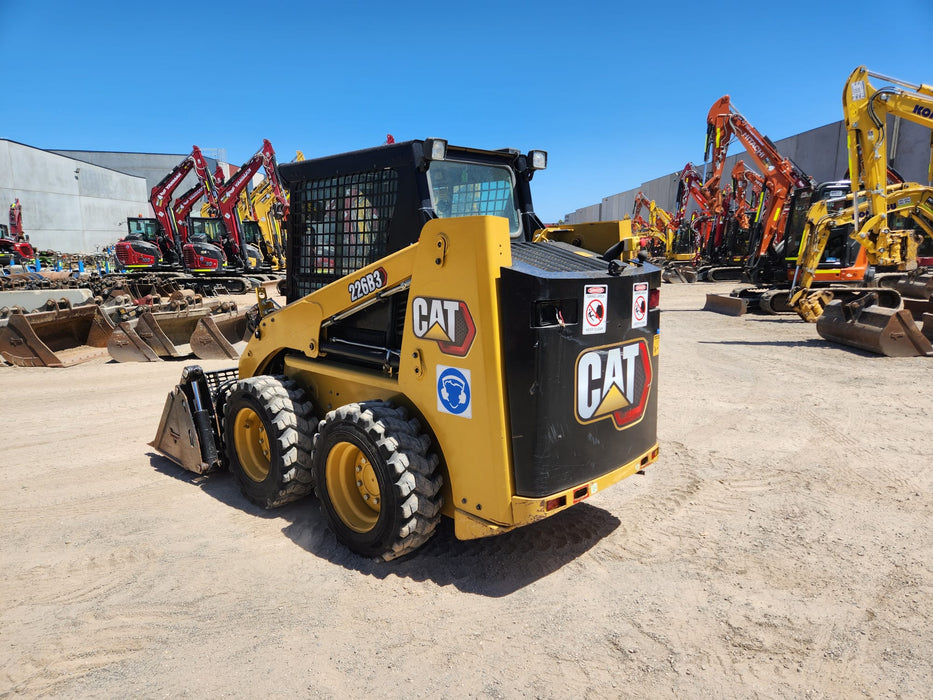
x,y
378,485
268,429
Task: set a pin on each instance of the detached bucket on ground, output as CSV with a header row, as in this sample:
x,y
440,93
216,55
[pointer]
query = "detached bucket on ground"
x,y
59,338
862,324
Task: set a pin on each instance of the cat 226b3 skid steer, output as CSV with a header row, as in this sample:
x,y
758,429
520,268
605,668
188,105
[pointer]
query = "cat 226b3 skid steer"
x,y
434,358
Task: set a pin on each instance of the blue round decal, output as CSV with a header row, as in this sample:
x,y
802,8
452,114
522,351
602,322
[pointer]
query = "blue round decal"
x,y
453,390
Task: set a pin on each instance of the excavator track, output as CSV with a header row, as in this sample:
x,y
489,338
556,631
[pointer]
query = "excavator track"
x,y
771,301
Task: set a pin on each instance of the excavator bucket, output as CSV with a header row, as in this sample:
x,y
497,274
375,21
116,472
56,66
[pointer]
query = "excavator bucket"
x,y
927,328
861,323
726,304
186,432
919,287
678,273
58,338
154,335
223,336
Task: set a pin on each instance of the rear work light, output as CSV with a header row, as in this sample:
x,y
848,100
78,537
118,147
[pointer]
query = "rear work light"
x,y
654,299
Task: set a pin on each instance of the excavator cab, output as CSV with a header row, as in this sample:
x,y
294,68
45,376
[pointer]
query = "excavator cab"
x,y
841,258
204,250
141,248
254,247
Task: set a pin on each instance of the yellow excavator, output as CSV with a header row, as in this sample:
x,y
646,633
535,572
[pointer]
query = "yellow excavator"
x,y
262,207
861,321
869,210
438,356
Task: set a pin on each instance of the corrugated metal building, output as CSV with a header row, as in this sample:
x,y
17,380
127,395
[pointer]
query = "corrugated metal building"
x,y
820,152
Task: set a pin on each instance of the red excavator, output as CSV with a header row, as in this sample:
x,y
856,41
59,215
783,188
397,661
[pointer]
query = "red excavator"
x,y
15,248
157,243
241,252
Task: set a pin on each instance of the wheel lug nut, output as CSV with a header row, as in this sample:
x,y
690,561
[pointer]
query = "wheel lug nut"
x,y
359,483
365,496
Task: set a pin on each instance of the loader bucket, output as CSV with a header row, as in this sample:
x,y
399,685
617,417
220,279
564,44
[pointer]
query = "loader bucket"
x,y
186,432
726,304
59,338
223,336
164,333
863,324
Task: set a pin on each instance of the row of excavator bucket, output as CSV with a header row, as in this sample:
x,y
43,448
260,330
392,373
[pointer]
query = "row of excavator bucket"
x,y
62,335
152,336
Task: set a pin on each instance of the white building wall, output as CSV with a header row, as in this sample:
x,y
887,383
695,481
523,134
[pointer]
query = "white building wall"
x,y
69,206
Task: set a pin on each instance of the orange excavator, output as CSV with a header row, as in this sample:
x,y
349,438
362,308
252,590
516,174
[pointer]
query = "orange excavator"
x,y
733,225
765,260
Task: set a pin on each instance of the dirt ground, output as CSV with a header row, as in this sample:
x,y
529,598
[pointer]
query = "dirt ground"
x,y
780,547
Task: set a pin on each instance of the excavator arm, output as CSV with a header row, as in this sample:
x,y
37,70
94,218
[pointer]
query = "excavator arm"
x,y
866,109
742,178
230,193
658,224
782,177
161,196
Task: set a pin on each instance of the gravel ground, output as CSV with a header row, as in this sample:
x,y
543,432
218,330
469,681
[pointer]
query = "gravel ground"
x,y
780,547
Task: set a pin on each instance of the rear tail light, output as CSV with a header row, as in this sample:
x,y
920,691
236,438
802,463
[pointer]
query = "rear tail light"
x,y
654,298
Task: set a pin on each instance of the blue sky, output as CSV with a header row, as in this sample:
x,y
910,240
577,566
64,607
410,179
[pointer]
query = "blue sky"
x,y
616,92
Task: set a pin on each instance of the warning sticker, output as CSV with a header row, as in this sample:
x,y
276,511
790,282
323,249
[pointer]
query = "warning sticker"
x,y
594,309
640,305
858,90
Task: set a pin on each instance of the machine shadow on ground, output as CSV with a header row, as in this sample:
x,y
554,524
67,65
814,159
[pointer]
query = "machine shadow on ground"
x,y
815,343
492,567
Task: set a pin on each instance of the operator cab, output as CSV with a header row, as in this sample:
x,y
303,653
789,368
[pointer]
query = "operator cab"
x,y
142,229
841,251
205,230
460,188
351,209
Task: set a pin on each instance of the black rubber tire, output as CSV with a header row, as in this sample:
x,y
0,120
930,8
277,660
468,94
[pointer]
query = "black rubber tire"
x,y
401,471
283,473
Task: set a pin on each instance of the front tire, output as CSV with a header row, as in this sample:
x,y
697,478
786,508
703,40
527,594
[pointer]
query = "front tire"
x,y
268,428
378,485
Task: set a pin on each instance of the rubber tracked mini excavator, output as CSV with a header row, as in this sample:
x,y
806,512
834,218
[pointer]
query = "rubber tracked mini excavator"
x,y
434,359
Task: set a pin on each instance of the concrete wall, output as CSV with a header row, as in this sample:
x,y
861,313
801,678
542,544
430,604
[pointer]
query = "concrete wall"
x,y
68,205
820,152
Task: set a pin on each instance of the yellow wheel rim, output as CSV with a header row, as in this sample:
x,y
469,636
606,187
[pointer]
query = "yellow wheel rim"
x,y
353,487
252,444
